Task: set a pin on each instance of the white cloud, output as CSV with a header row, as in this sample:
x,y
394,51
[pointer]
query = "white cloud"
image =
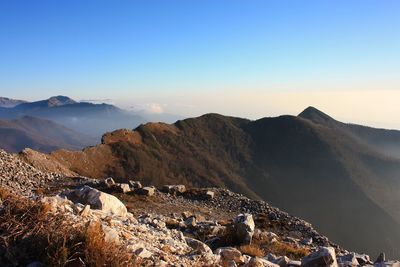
x,y
155,108
151,108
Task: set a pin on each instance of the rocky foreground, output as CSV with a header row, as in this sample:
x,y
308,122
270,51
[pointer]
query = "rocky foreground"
x,y
176,226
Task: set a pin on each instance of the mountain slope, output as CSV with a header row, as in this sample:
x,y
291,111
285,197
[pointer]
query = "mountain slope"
x,y
312,166
375,168
312,172
39,134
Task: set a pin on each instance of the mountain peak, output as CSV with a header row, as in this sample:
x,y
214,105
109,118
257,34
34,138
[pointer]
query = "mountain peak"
x,y
315,115
60,101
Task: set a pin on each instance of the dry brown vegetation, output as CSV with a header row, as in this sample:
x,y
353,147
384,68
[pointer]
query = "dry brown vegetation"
x,y
263,245
29,232
252,250
288,250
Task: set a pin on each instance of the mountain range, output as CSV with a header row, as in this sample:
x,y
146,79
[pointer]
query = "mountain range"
x,y
87,118
343,178
85,121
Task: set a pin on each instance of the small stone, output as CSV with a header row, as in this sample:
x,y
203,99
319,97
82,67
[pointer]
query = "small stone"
x,y
381,258
86,210
258,262
283,261
363,259
191,221
109,182
174,189
230,254
307,241
143,253
124,188
294,263
347,260
146,191
198,246
208,194
325,256
135,184
186,214
110,235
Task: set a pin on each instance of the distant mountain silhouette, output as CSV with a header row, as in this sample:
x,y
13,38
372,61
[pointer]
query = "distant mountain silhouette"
x,y
9,103
54,101
87,118
337,176
39,134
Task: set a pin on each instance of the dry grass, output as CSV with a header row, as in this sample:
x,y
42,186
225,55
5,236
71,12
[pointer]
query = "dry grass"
x,y
29,232
98,252
260,249
252,250
289,250
4,193
279,248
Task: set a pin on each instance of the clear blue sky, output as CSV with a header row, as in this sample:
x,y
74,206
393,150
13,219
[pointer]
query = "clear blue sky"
x,y
161,51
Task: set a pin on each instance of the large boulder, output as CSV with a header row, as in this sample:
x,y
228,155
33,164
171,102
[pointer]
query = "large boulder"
x,y
98,200
324,257
244,228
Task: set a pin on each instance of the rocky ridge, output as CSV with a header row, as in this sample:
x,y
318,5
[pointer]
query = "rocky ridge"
x,y
176,226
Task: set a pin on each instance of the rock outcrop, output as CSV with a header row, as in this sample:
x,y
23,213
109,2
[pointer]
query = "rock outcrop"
x,y
98,200
324,257
244,228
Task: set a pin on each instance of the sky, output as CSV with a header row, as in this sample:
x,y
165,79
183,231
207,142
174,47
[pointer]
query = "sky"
x,y
244,58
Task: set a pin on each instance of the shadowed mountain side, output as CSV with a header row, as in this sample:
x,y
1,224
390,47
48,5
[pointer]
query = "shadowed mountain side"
x,y
311,169
39,134
301,172
385,141
363,151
